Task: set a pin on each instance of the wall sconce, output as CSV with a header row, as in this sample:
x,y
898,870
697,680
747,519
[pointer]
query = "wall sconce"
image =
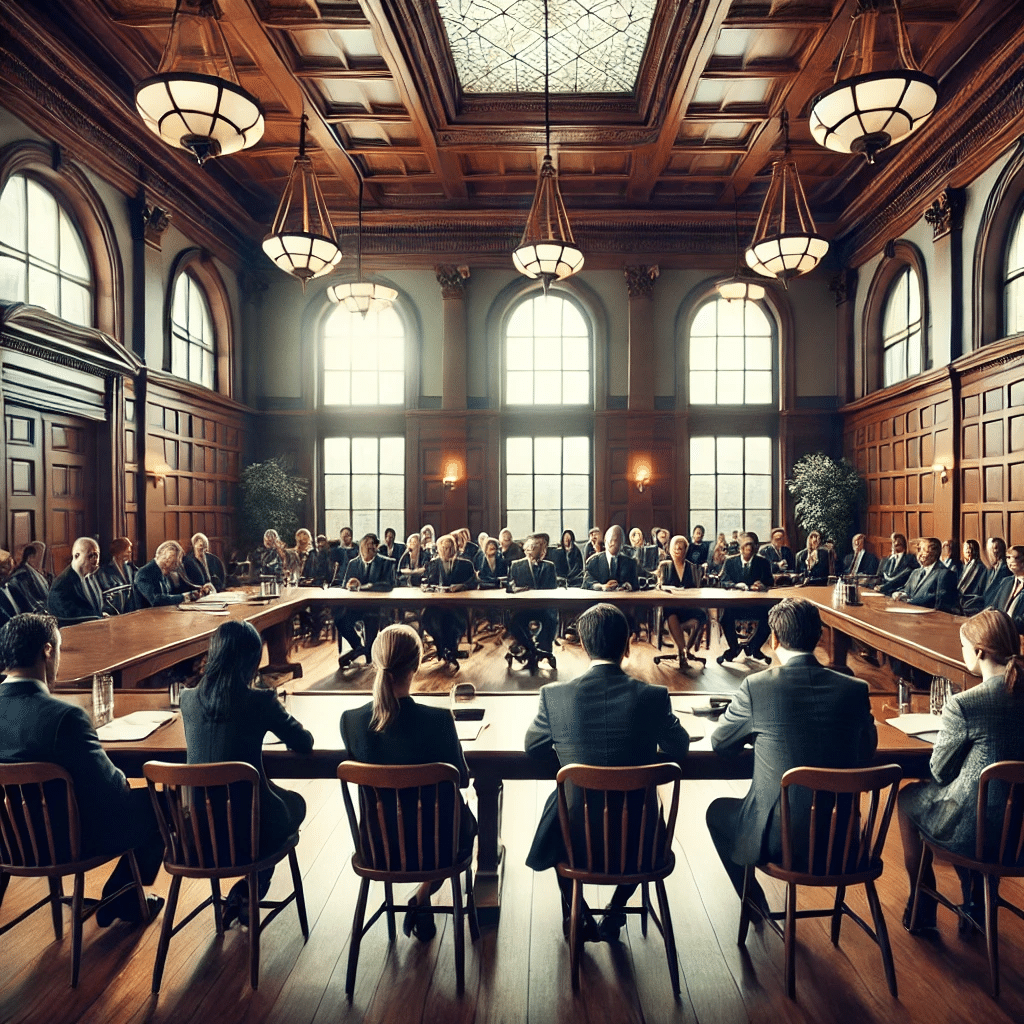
x,y
158,472
642,476
942,471
451,476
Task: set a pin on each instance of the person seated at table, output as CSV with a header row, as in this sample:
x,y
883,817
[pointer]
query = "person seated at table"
x,y
684,624
980,726
778,552
895,569
201,566
611,569
699,550
746,571
413,563
303,557
490,568
28,585
797,713
995,549
75,595
567,560
9,606
446,625
480,538
860,562
117,574
270,557
973,578
733,547
339,556
225,719
428,540
395,729
716,560
950,556
35,726
392,548
931,584
153,587
509,550
645,555
370,572
467,547
1007,596
532,572
812,563
595,543
602,718
660,538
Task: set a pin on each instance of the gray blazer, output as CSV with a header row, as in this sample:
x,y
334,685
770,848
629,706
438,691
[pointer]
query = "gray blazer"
x,y
795,714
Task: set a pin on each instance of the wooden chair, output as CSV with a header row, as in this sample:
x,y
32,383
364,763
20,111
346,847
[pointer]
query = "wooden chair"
x,y
993,860
626,842
843,847
40,837
383,852
202,840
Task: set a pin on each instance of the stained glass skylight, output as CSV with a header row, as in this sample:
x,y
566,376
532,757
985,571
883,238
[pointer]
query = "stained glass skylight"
x,y
596,45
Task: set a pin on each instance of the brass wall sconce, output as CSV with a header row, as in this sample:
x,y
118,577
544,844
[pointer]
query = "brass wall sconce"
x,y
642,476
942,471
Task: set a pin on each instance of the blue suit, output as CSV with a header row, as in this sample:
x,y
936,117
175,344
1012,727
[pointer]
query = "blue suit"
x,y
934,587
534,576
895,571
758,570
1004,600
74,599
153,588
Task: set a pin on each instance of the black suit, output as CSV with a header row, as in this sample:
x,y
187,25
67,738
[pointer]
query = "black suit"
x,y
867,566
30,588
895,571
153,588
9,606
1005,600
526,575
818,571
338,558
405,562
117,602
470,551
934,587
377,575
568,564
197,573
996,575
971,587
395,551
699,552
599,572
74,599
776,555
794,714
757,570
447,626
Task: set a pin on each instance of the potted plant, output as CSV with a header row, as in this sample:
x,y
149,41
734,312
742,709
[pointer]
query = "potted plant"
x,y
828,494
271,500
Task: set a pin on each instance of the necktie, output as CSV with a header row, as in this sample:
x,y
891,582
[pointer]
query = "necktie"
x,y
856,561
613,569
1014,594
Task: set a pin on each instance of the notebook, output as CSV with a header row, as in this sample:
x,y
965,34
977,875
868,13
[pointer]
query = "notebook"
x,y
134,727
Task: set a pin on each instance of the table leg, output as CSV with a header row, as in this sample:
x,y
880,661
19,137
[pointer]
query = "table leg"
x,y
837,645
490,856
279,638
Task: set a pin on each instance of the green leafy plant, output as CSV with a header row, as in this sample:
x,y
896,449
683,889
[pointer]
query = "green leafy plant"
x,y
271,500
827,494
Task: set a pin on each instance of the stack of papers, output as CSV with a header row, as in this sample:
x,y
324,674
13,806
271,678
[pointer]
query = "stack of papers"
x,y
924,727
134,727
228,597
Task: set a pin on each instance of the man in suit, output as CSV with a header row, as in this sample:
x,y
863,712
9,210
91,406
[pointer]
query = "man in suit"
x,y
391,548
611,569
9,605
468,548
340,557
861,562
34,726
153,586
895,570
999,571
699,550
601,718
971,585
747,571
28,585
454,574
369,572
202,566
533,573
797,713
1007,597
931,584
594,543
75,595
778,552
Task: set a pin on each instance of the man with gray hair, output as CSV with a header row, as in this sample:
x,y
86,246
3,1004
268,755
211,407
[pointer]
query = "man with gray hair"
x,y
76,595
611,569
153,585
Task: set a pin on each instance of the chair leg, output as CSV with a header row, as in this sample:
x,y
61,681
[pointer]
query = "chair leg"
x,y
389,899
837,914
357,937
575,930
668,934
748,877
790,937
474,924
144,914
218,910
76,927
992,931
645,907
459,926
915,896
254,930
882,934
56,904
300,896
165,931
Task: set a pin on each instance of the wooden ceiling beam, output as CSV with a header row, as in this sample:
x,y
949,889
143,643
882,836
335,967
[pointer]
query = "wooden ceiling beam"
x,y
366,71
336,116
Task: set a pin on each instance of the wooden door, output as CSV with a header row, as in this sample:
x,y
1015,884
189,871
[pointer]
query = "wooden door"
x,y
25,477
69,453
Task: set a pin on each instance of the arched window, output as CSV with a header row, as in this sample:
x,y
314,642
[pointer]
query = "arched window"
x,y
43,259
193,343
1014,302
547,353
901,328
363,358
731,354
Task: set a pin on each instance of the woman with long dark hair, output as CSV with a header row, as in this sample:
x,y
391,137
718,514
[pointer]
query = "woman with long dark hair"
x,y
226,719
568,559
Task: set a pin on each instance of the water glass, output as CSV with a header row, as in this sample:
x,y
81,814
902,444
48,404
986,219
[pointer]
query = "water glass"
x,y
102,699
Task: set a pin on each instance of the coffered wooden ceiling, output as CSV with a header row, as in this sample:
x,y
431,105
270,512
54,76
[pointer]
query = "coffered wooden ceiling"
x,y
454,171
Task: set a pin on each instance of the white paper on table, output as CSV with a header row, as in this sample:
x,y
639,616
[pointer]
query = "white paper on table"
x,y
227,597
468,731
923,726
910,609
136,726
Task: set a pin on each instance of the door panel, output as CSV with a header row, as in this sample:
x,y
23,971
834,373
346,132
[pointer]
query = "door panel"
x,y
70,459
23,429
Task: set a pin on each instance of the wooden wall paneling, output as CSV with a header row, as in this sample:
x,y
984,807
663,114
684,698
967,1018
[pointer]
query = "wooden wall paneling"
x,y
24,477
70,490
133,481
802,432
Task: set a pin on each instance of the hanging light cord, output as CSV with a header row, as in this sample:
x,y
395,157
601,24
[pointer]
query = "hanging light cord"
x,y
359,221
547,85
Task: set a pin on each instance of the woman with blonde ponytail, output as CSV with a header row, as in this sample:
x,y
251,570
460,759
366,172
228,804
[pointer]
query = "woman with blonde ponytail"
x,y
395,729
979,726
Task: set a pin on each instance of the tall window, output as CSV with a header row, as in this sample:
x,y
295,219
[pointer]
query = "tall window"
x,y
731,484
547,353
42,258
731,352
364,358
547,485
193,346
1015,279
901,328
364,485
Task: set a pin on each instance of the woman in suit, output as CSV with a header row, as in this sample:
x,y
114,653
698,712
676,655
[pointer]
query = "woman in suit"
x,y
684,624
568,560
413,563
394,729
973,579
490,567
226,719
118,572
980,726
813,562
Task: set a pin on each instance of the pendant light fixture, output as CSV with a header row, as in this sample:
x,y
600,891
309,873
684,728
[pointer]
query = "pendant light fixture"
x,y
786,242
302,241
547,249
194,101
361,296
873,109
743,285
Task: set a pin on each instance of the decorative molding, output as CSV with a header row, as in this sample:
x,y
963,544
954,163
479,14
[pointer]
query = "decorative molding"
x,y
452,280
946,214
843,286
149,220
640,280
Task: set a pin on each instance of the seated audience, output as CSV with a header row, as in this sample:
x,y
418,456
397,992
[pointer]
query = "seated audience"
x,y
860,562
1007,596
322,564
480,538
453,574
116,575
339,557
973,579
29,587
778,552
271,558
611,569
602,718
812,563
895,570
660,537
567,560
9,606
931,584
490,568
595,543
392,548
303,557
34,726
466,547
733,547
370,572
533,573
684,624
153,586
950,556
76,595
509,550
716,560
797,713
995,549
413,564
699,550
394,729
225,719
428,541
748,571
979,727
202,566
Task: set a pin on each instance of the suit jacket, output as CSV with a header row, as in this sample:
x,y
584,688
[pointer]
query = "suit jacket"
x,y
405,562
895,576
776,555
197,574
568,564
934,587
339,557
30,588
73,599
491,579
699,553
996,575
118,601
1000,599
603,718
470,551
760,571
868,563
396,551
153,588
599,572
954,565
971,587
511,554
462,571
819,571
9,605
794,714
541,576
378,574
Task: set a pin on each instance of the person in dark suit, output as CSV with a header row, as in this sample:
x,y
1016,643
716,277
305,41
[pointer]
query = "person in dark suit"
x,y
509,550
76,595
567,560
302,558
611,569
931,584
748,571
895,570
413,564
428,540
699,550
467,547
322,565
812,563
684,623
454,574
778,552
201,566
602,718
860,562
30,587
796,713
395,729
225,719
533,573
9,604
35,726
369,572
594,545
340,556
153,586
392,548
117,574
995,549
1008,597
950,557
979,727
973,577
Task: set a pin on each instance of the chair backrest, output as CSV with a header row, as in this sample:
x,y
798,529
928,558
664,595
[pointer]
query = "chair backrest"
x,y
825,830
1007,847
611,818
39,825
409,815
209,814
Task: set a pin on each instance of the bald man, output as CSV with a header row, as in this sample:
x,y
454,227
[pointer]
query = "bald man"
x,y
75,595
